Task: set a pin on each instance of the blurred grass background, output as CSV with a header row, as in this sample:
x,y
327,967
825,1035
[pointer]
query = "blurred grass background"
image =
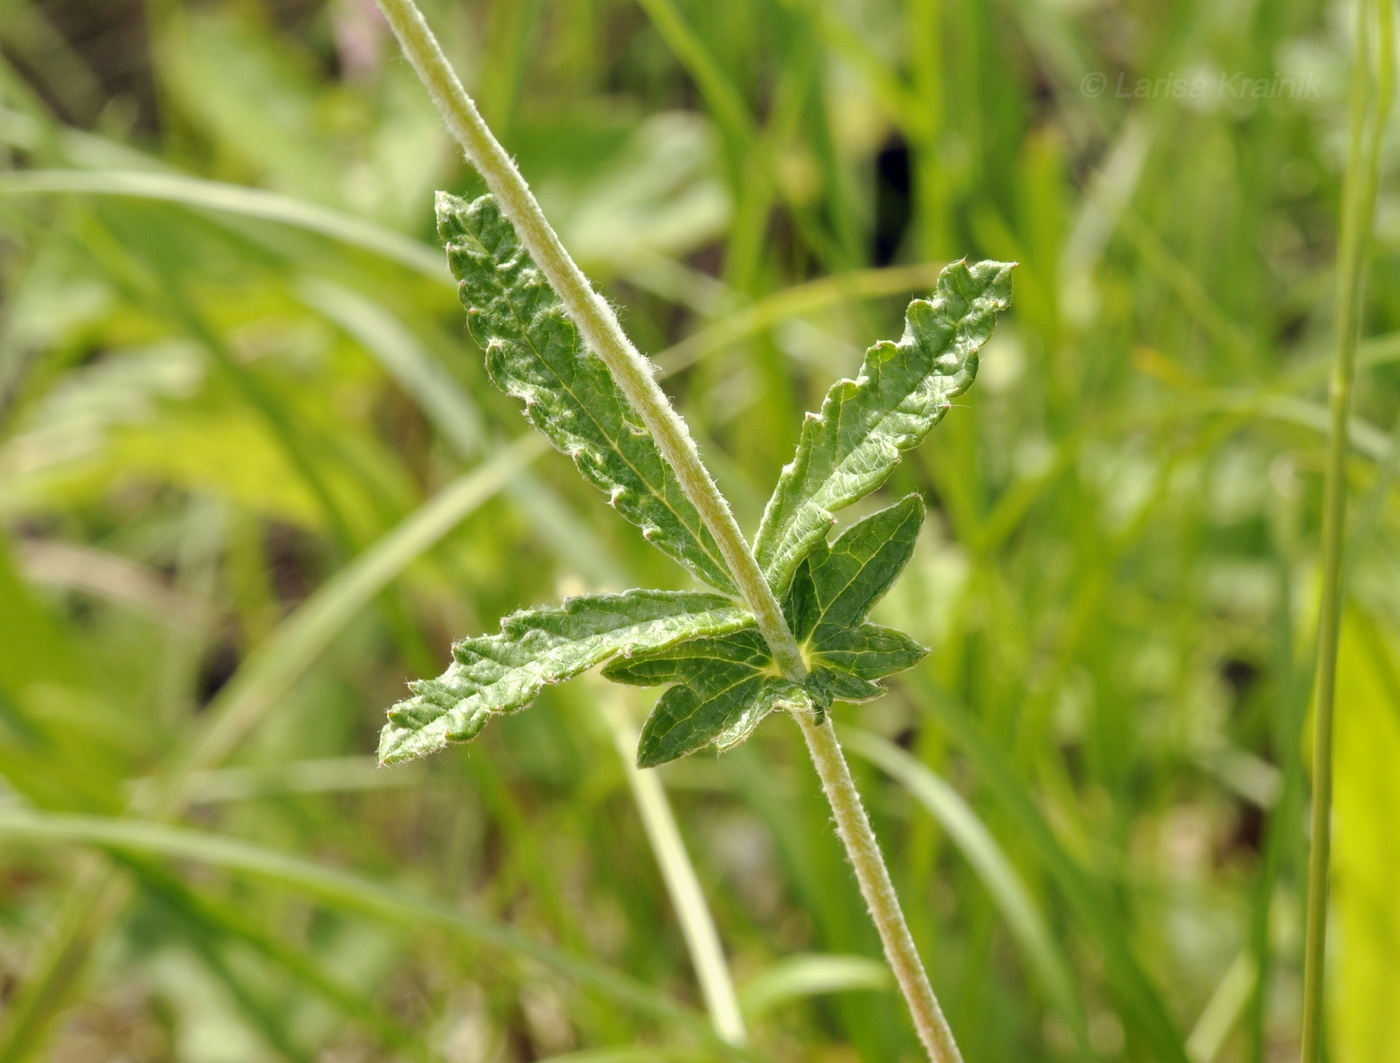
x,y
252,479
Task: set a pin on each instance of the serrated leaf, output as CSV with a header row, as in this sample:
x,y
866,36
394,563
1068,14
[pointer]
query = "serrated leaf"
x,y
847,664
534,352
903,390
775,694
504,672
724,686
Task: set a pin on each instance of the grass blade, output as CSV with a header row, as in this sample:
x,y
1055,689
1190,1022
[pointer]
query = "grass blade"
x,y
1142,1006
337,888
682,883
1372,90
232,199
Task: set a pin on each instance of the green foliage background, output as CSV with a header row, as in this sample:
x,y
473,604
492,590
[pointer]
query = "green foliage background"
x,y
252,478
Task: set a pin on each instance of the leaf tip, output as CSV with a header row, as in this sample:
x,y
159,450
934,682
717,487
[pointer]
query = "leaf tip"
x,y
651,752
391,743
449,211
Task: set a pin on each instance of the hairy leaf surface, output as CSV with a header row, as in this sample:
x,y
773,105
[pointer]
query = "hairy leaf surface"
x,y
504,672
535,353
726,685
903,390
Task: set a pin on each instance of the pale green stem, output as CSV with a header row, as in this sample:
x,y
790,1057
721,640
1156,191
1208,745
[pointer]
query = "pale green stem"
x,y
853,826
1371,95
635,375
687,898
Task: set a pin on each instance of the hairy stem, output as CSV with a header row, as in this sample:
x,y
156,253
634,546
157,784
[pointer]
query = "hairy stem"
x,y
853,826
688,900
1372,90
635,375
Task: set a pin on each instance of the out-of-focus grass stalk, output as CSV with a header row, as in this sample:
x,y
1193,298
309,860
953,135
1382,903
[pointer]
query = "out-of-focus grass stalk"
x,y
792,301
682,884
349,892
1223,1010
1372,90
96,898
232,199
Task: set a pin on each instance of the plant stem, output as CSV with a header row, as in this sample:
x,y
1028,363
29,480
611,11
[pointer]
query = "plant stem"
x,y
687,898
636,377
1371,95
853,826
596,321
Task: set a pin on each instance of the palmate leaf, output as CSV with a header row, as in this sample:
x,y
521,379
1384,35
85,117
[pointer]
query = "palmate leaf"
x,y
725,685
903,389
505,672
534,353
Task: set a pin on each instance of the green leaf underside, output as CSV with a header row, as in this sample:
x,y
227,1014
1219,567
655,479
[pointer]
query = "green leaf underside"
x,y
537,647
534,352
726,685
850,448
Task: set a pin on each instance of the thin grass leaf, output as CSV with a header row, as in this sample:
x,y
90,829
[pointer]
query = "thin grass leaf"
x,y
231,199
679,874
443,401
903,390
535,353
220,922
798,977
1140,1005
341,890
286,655
537,647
